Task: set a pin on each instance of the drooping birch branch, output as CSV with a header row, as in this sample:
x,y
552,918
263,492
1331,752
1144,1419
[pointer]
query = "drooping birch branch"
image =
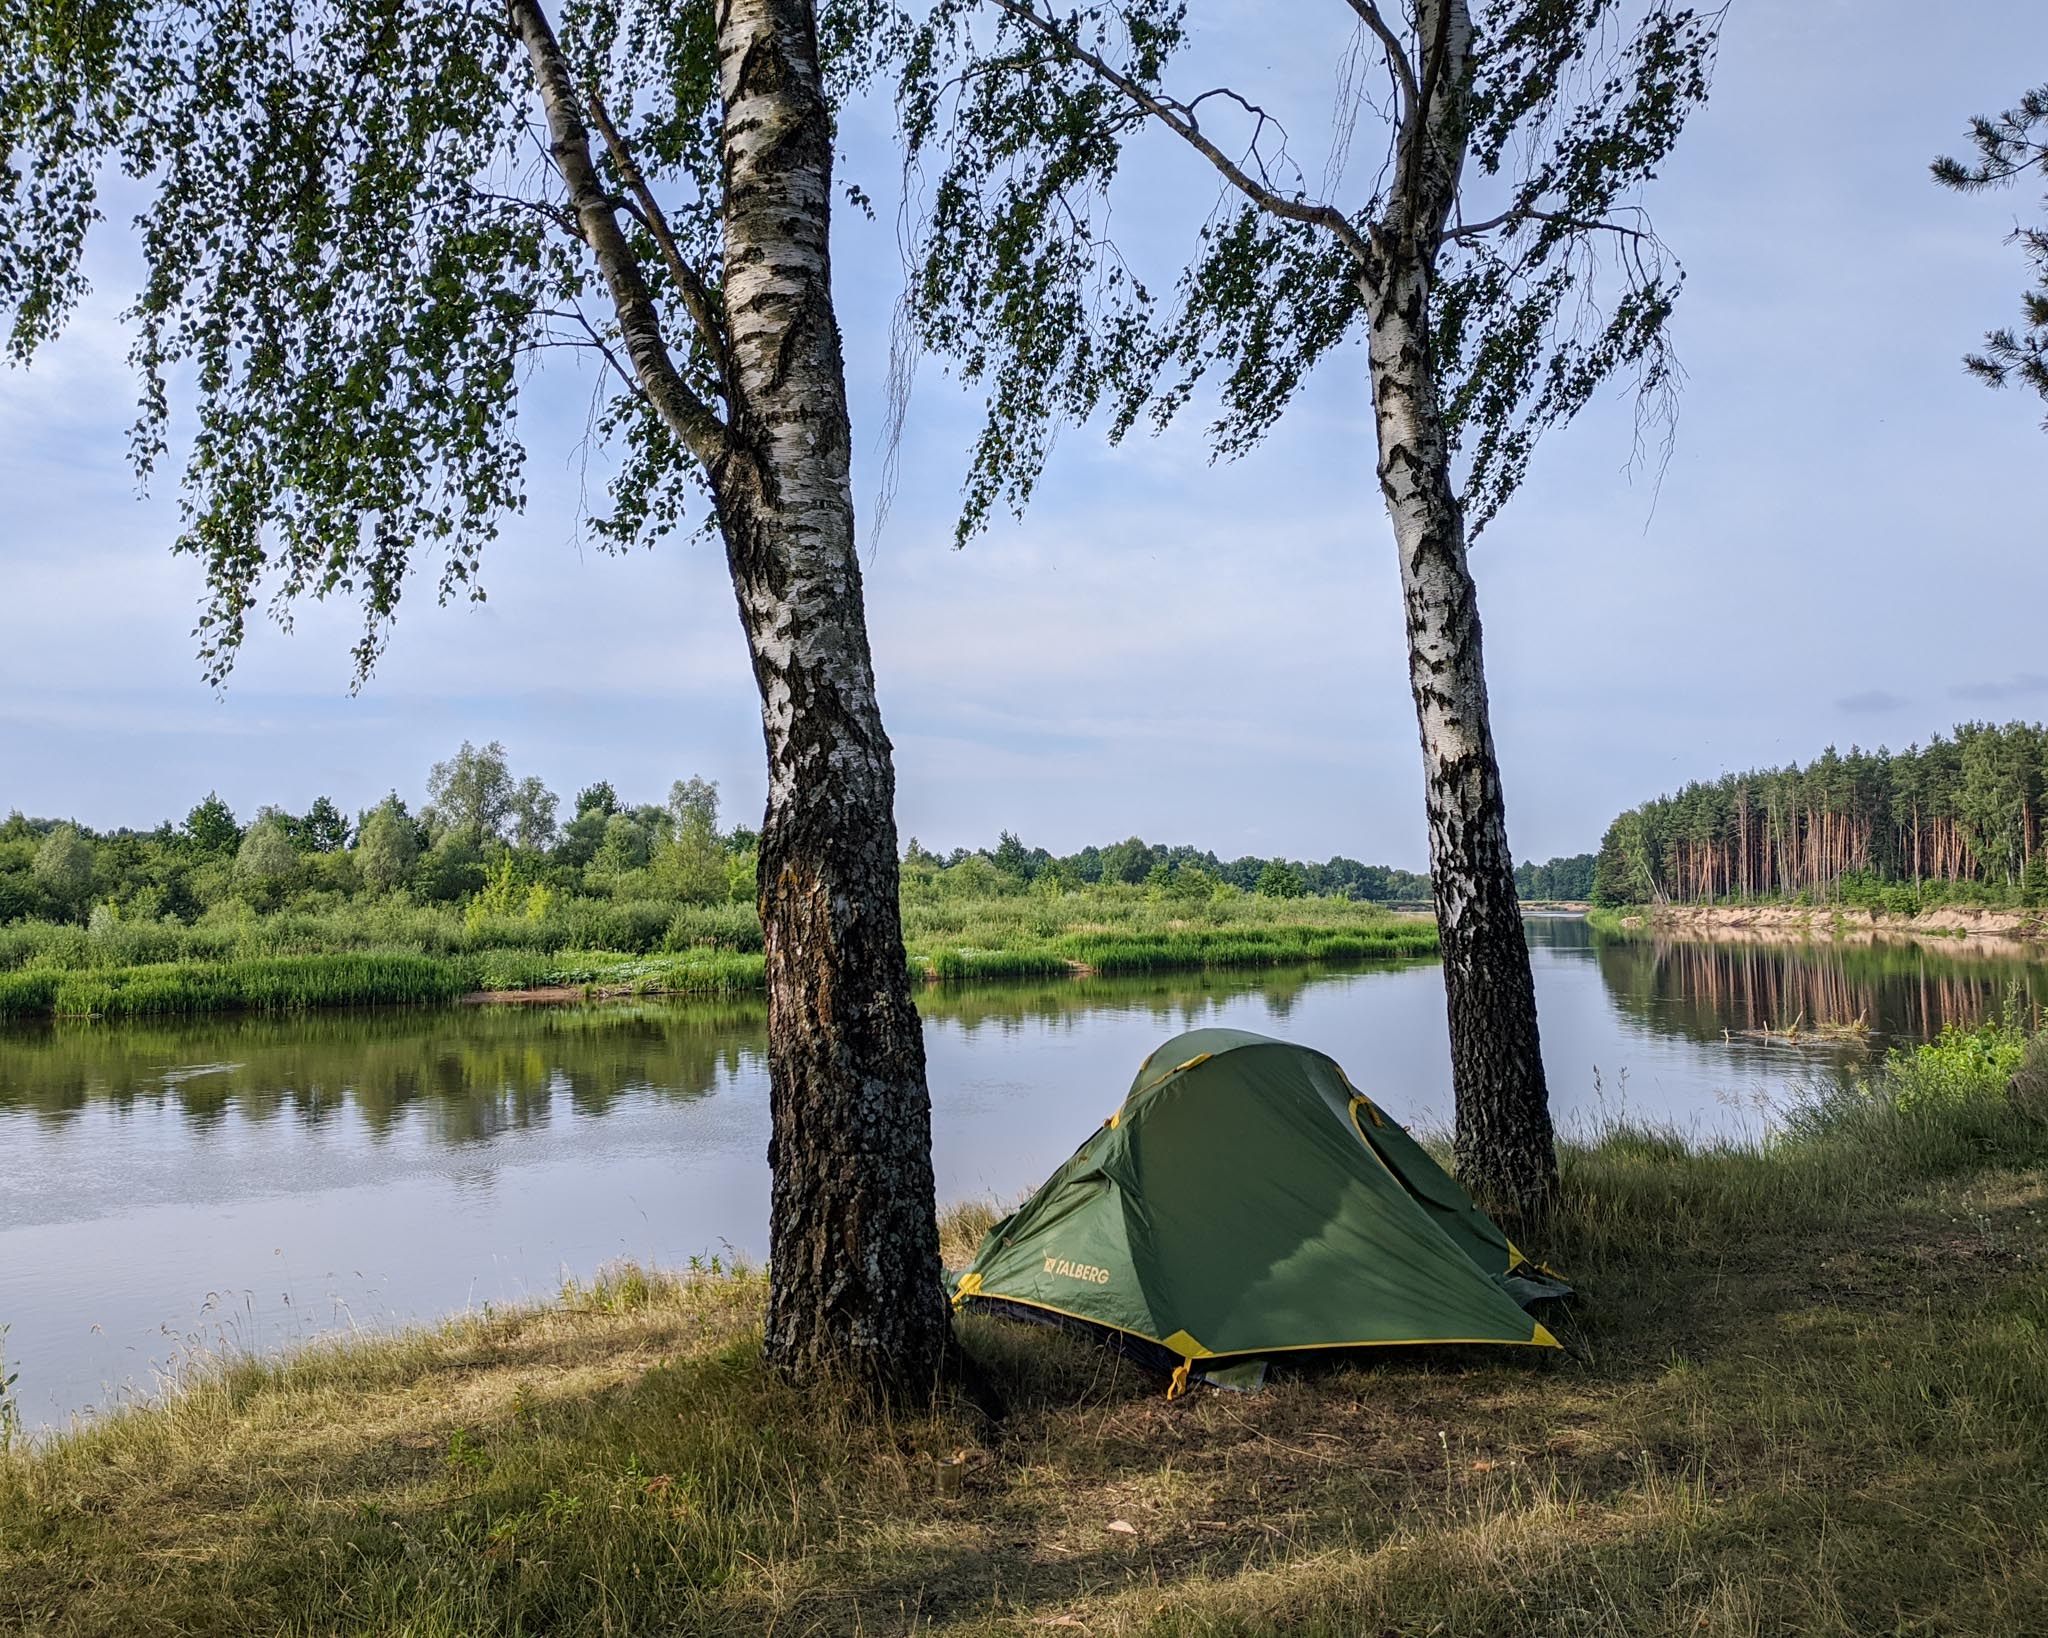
x,y
1177,120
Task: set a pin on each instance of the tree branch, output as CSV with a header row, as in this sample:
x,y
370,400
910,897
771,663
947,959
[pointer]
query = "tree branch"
x,y
596,341
1518,214
703,313
693,421
1397,56
553,214
1189,131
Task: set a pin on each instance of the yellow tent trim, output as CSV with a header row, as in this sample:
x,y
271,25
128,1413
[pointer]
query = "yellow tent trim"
x,y
969,1286
1198,1058
1370,1147
1064,1313
1357,1097
1517,1257
1539,1338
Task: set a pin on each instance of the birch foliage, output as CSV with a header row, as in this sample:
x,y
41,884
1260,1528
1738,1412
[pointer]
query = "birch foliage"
x,y
1546,277
356,249
362,221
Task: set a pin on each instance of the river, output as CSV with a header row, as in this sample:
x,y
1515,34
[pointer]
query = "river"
x,y
233,1183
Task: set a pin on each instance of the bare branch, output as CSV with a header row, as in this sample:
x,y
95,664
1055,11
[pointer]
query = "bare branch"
x,y
595,341
548,212
703,312
1397,55
1184,126
1518,214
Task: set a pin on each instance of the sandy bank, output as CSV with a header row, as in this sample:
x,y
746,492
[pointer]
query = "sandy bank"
x,y
1959,927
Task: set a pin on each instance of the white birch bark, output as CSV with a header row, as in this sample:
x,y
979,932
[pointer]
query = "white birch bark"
x,y
1503,1144
854,1278
853,1238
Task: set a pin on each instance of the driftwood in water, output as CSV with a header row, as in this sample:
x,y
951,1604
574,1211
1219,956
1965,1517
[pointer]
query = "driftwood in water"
x,y
1851,1032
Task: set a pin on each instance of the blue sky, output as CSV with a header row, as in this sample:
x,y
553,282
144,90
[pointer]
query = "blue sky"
x,y
1845,547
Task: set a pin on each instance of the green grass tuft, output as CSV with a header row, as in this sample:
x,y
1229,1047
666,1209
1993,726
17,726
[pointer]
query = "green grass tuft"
x,y
260,984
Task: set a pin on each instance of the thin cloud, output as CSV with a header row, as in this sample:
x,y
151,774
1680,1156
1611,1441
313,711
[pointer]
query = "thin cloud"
x,y
2022,685
1872,702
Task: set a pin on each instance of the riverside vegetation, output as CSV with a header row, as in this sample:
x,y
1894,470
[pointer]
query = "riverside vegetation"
x,y
484,891
407,954
1805,1389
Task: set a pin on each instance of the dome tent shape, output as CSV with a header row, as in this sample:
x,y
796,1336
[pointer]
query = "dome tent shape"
x,y
1245,1200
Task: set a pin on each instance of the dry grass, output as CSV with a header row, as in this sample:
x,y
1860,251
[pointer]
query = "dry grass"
x,y
1806,1392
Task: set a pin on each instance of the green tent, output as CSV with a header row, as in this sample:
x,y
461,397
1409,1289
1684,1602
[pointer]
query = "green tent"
x,y
1245,1201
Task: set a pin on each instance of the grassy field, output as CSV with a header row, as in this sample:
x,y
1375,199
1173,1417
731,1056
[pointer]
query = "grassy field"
x,y
408,954
1805,1391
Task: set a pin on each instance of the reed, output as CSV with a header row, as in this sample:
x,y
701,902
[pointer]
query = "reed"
x,y
964,964
261,984
393,953
1196,948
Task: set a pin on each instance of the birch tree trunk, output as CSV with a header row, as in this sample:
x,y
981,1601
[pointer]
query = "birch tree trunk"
x,y
854,1275
1504,1147
853,1235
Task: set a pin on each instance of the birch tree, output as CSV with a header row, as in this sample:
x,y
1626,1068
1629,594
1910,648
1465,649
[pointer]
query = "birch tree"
x,y
1492,258
361,224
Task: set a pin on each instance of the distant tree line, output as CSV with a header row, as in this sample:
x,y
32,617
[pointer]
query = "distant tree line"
x,y
488,838
1958,819
1187,871
1561,878
482,836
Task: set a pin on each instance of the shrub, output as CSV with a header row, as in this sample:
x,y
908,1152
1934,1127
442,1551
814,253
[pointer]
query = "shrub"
x,y
1962,1064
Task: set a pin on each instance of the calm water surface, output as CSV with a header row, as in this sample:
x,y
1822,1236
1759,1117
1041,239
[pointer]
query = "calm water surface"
x,y
166,1190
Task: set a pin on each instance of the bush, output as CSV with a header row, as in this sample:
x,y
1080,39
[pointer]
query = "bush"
x,y
714,926
636,925
1961,1065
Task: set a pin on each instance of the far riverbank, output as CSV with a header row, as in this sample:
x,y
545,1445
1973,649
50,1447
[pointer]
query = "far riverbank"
x,y
1967,927
406,955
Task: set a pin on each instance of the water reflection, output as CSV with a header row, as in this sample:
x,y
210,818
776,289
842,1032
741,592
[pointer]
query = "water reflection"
x,y
475,1072
1898,992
